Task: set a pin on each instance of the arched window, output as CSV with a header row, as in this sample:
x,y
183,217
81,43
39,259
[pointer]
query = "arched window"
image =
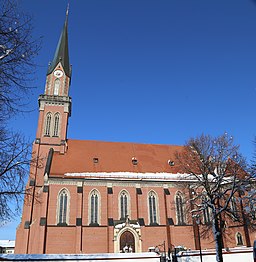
x,y
56,87
123,204
94,208
206,215
233,206
48,120
239,239
63,200
253,209
152,204
56,124
180,209
66,87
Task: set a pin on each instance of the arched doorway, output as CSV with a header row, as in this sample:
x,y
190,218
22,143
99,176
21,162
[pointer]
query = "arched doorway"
x,y
127,239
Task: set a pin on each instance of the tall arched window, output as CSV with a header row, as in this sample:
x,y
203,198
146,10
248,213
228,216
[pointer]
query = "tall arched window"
x,y
239,239
206,215
253,209
56,124
179,209
48,120
233,206
152,204
66,87
123,204
63,200
56,86
94,208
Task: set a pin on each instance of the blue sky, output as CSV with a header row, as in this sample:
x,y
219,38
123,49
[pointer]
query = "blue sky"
x,y
151,71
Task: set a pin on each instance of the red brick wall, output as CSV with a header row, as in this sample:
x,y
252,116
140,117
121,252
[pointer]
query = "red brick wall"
x,y
87,239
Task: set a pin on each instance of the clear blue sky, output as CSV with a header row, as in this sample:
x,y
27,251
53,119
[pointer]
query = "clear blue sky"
x,y
152,71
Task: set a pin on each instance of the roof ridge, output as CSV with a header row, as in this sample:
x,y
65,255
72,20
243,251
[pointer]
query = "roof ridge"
x,y
122,142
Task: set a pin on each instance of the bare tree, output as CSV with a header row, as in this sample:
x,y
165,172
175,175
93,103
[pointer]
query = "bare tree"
x,y
15,159
253,162
249,201
17,52
219,181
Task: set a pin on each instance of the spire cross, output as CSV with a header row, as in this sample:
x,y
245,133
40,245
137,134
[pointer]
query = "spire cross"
x,y
67,10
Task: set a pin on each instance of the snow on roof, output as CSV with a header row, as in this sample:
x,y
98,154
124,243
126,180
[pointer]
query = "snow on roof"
x,y
115,157
133,176
7,243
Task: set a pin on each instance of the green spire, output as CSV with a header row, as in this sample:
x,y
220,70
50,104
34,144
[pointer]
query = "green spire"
x,y
61,53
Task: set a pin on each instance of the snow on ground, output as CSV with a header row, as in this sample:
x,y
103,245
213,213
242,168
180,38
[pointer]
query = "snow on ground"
x,y
242,254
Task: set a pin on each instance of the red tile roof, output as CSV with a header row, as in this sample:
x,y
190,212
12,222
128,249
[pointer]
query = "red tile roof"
x,y
114,157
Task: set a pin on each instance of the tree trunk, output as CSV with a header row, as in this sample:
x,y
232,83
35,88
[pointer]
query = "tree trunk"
x,y
218,240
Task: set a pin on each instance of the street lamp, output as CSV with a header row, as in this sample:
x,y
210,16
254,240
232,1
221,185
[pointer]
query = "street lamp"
x,y
254,251
197,220
160,249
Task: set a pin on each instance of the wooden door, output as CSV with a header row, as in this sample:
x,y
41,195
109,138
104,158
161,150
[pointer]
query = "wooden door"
x,y
127,240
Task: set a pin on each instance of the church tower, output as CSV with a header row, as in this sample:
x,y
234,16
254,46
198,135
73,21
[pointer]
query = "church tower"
x,y
51,136
55,103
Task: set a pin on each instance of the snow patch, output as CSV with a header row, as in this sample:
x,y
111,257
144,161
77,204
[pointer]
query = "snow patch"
x,y
134,176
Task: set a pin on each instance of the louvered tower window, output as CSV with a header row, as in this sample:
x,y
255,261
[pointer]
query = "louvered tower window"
x,y
56,124
56,87
48,120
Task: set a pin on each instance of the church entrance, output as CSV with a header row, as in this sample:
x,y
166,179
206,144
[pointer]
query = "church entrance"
x,y
127,242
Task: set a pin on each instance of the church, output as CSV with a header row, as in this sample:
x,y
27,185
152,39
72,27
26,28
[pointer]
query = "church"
x,y
103,197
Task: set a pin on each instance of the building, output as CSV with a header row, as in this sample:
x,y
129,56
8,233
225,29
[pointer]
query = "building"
x,y
7,246
102,197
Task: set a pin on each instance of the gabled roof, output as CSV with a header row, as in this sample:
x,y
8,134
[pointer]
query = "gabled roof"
x,y
97,156
61,53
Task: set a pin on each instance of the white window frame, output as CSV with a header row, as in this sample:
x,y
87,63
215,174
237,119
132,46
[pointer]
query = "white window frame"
x,y
56,89
179,207
153,213
48,124
98,214
60,208
56,129
124,192
207,215
239,235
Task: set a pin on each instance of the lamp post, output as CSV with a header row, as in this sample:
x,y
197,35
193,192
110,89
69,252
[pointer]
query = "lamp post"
x,y
160,249
254,251
197,220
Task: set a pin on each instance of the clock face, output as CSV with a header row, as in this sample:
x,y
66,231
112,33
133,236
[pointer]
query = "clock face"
x,y
58,73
